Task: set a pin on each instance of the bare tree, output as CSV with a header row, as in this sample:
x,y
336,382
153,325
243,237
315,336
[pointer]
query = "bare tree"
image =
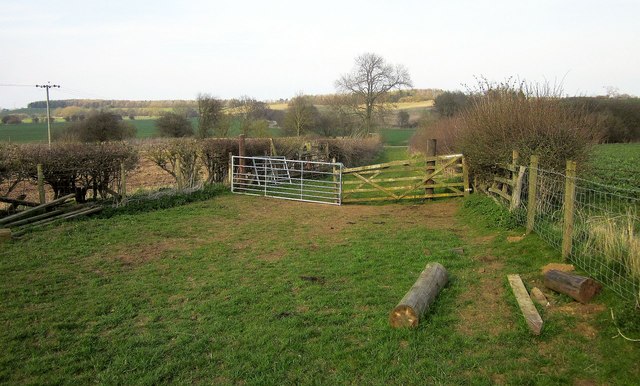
x,y
210,113
301,115
370,81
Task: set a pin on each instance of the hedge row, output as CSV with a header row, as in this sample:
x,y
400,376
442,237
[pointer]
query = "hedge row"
x,y
213,153
67,167
80,167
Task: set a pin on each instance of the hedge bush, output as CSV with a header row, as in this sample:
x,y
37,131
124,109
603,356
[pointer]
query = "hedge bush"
x,y
73,167
529,118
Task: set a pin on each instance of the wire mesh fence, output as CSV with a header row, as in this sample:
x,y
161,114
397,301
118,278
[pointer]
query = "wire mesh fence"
x,y
602,223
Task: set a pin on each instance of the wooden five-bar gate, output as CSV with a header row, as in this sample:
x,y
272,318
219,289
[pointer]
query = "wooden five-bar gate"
x,y
424,177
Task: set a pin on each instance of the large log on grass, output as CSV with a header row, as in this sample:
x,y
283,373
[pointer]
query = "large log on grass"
x,y
417,301
581,288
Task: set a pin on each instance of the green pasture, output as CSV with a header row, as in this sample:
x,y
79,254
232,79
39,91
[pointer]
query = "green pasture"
x,y
616,164
248,290
396,136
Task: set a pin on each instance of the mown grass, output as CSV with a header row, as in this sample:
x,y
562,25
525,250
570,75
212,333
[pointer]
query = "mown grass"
x,y
223,292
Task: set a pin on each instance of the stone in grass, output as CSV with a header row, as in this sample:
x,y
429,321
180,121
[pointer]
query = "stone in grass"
x,y
558,267
458,250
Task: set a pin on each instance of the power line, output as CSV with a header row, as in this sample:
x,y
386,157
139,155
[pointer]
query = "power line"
x,y
47,87
15,85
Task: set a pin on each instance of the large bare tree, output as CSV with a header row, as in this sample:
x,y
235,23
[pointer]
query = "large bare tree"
x,y
210,114
301,116
370,81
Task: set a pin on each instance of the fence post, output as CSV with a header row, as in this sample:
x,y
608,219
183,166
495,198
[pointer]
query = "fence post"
x,y
569,206
178,172
241,153
465,176
41,184
531,202
431,165
230,169
123,182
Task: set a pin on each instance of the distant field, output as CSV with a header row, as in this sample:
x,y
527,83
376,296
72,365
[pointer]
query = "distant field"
x,y
37,132
396,137
616,164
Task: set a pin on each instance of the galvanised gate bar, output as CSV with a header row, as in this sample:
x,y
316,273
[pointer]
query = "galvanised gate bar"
x,y
278,177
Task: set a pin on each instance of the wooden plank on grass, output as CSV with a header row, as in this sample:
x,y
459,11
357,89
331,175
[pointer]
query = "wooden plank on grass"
x,y
529,311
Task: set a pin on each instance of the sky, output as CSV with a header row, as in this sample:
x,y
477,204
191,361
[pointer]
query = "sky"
x,y
149,50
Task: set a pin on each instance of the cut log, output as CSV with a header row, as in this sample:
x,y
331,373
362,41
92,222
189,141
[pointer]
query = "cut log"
x,y
529,311
18,201
5,234
34,218
581,288
421,295
36,209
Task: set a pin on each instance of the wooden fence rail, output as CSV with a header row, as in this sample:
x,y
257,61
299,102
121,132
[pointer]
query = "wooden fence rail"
x,y
425,177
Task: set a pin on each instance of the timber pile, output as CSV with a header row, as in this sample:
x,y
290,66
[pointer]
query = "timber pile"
x,y
417,301
19,223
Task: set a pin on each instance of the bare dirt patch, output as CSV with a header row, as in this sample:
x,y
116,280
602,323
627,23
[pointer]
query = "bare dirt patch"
x,y
483,309
141,253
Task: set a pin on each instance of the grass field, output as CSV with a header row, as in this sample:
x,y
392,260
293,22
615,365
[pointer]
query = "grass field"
x,y
396,137
616,164
223,292
37,132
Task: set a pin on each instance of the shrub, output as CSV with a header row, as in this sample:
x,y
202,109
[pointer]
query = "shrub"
x,y
619,117
100,127
355,151
449,103
444,131
528,118
75,167
214,153
178,157
174,125
11,119
403,118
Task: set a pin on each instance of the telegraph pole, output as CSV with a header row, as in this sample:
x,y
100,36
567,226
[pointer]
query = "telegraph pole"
x,y
47,87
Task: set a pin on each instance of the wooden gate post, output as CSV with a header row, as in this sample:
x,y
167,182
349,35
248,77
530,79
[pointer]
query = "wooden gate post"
x,y
178,173
41,184
531,202
431,164
123,182
230,170
465,177
241,153
569,207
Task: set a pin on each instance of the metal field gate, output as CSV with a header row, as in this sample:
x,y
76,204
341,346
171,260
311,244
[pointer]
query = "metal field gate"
x,y
278,177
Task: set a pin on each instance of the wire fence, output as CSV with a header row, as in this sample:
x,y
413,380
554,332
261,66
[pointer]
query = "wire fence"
x,y
602,223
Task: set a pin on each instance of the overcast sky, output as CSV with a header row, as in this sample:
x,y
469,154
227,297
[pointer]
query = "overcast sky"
x,y
274,49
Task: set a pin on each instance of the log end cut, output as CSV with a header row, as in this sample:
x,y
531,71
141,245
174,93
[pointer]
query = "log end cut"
x,y
403,316
5,234
581,288
422,294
